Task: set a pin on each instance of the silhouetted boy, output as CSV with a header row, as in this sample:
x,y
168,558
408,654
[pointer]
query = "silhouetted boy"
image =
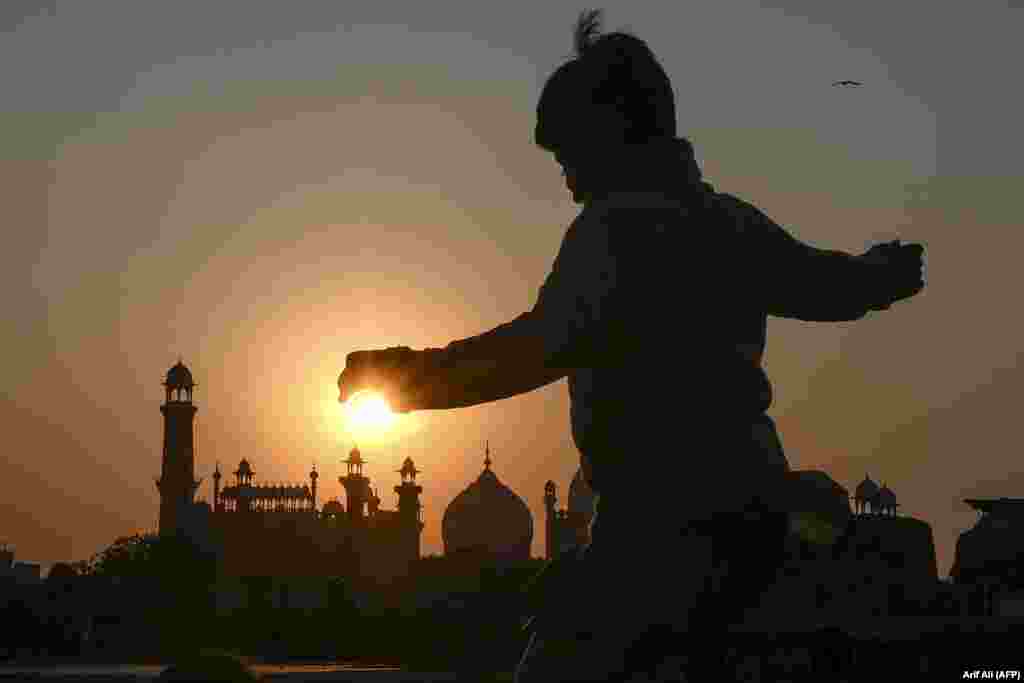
x,y
656,310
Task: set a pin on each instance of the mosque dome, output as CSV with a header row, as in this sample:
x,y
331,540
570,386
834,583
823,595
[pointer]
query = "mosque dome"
x,y
581,496
488,518
866,490
886,498
179,376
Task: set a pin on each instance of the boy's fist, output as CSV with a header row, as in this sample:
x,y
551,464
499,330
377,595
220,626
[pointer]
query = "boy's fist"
x,y
900,271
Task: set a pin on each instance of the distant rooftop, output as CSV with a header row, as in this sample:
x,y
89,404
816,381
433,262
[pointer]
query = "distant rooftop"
x,y
990,504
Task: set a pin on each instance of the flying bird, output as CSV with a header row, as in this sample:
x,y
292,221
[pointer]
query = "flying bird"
x,y
847,83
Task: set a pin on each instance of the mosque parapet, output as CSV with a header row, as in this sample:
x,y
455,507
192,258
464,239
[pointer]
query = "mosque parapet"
x,y
244,496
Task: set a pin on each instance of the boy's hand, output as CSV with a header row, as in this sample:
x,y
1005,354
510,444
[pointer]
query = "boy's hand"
x,y
393,372
900,271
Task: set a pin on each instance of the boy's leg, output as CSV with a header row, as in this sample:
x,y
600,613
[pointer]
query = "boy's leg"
x,y
622,590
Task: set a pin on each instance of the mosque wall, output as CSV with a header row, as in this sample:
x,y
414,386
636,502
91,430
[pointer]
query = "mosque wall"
x,y
280,544
902,546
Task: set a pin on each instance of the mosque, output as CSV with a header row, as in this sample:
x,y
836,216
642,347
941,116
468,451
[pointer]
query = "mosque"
x,y
258,529
282,530
277,530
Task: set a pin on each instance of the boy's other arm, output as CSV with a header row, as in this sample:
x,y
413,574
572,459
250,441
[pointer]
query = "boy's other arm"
x,y
796,280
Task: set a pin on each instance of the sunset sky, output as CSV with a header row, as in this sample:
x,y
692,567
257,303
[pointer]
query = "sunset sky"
x,y
264,187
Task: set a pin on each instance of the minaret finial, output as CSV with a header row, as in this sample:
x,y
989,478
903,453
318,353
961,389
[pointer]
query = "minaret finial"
x,y
487,454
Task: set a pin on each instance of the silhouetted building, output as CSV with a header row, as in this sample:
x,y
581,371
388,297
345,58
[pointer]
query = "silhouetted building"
x,y
847,565
15,572
990,555
488,521
176,483
276,530
870,499
872,563
568,527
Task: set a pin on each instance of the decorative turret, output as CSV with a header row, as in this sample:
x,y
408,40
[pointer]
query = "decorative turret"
x,y
179,384
357,487
550,496
408,471
550,515
313,476
216,487
409,506
244,473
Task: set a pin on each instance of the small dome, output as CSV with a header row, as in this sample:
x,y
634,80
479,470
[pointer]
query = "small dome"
x,y
866,490
179,376
886,498
244,467
488,517
355,457
408,469
333,507
581,496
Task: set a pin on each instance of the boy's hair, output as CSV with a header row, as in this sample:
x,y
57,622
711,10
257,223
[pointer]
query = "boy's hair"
x,y
614,69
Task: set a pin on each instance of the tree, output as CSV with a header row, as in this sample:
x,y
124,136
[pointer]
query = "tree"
x,y
151,556
62,571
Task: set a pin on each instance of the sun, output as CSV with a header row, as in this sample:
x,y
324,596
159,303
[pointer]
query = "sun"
x,y
368,412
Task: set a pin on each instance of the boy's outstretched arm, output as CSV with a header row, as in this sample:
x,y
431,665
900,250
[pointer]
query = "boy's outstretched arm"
x,y
509,360
796,280
536,348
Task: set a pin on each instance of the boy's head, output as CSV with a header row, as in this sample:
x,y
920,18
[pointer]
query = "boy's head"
x,y
612,92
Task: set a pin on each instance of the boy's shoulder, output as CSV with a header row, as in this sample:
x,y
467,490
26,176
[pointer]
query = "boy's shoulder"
x,y
704,208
